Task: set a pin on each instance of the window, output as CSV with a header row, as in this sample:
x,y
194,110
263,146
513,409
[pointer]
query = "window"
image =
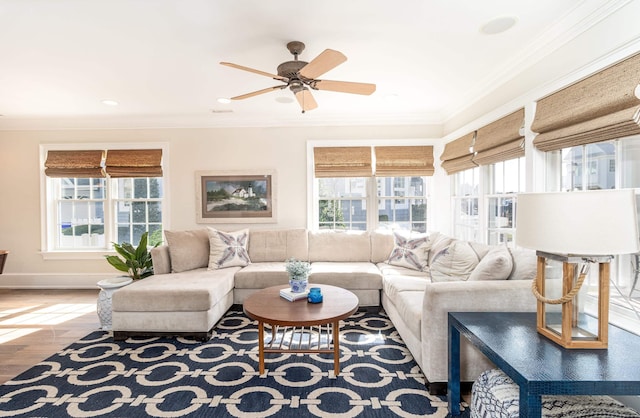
x,y
86,210
402,203
504,180
605,165
465,192
345,187
342,203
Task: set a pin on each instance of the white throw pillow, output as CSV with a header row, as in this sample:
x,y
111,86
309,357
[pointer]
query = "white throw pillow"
x,y
496,265
228,249
454,262
410,251
188,250
525,264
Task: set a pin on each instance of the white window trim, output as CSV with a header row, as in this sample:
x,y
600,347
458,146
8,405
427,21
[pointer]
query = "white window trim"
x,y
45,215
312,189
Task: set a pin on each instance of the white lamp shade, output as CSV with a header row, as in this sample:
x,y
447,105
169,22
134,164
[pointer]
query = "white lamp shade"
x,y
602,222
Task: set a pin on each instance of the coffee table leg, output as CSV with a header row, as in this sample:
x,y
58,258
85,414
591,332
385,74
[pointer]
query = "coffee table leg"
x,y
336,348
261,346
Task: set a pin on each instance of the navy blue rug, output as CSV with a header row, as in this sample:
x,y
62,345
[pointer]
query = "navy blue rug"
x,y
176,377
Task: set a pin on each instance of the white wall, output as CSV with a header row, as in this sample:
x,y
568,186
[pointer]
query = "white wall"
x,y
190,150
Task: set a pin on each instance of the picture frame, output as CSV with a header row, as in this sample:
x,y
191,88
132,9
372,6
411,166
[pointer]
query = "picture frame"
x,y
236,196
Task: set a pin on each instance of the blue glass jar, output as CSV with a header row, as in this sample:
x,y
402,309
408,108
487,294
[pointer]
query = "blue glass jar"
x,y
315,295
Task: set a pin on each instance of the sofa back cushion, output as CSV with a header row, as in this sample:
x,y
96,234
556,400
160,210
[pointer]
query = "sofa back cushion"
x,y
381,246
339,246
189,250
524,264
278,245
495,265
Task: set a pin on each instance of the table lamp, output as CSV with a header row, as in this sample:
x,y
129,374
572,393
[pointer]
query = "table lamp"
x,y
575,230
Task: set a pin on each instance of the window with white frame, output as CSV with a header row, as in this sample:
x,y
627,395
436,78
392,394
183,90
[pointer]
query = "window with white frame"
x,y
88,211
342,203
503,179
402,203
605,165
345,187
465,199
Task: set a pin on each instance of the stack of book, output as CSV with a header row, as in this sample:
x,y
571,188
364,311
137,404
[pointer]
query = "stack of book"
x,y
291,297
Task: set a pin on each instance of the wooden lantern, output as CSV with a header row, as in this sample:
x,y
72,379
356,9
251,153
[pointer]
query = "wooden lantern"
x,y
570,327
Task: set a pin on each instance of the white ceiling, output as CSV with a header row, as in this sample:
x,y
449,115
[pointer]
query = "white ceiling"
x,y
160,58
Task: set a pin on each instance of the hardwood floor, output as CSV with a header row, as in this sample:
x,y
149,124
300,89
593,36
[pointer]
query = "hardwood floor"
x,y
34,324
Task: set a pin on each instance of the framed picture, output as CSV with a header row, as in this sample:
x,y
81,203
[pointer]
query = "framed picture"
x,y
235,197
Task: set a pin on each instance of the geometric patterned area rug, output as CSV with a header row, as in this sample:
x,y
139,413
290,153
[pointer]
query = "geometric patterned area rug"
x,y
178,377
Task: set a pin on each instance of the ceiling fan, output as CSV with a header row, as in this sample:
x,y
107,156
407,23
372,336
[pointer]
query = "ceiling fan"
x,y
299,76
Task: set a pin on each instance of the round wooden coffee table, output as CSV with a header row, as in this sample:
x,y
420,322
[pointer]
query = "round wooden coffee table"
x,y
300,327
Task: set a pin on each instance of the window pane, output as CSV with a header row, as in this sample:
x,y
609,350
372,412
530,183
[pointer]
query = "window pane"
x,y
124,234
630,162
601,166
140,188
139,212
572,168
155,188
155,211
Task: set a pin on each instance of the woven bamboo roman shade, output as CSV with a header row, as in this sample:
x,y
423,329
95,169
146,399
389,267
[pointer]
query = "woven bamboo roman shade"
x,y
456,155
342,161
134,163
500,140
404,161
80,164
599,108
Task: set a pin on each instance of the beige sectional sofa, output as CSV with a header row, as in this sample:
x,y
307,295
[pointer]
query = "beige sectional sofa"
x,y
417,280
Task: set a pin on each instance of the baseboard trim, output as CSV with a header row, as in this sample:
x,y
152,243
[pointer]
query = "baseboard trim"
x,y
52,280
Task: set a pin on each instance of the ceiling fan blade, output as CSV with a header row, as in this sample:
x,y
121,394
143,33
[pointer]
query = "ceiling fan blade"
x,y
251,70
344,86
255,93
306,100
324,62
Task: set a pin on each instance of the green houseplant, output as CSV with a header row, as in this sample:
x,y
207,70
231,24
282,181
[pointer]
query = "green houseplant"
x,y
135,261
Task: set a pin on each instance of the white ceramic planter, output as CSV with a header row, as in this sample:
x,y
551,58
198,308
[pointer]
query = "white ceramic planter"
x,y
107,287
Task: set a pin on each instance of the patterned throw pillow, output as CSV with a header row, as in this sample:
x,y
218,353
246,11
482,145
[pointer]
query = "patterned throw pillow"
x,y
454,262
410,252
228,249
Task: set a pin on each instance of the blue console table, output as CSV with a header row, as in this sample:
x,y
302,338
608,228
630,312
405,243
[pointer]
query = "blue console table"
x,y
538,365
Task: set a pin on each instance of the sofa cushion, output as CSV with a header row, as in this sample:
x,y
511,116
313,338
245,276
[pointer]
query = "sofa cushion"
x,y
266,246
339,246
390,270
438,243
351,275
496,265
410,251
188,249
228,249
524,264
454,262
381,245
195,290
394,285
409,306
261,275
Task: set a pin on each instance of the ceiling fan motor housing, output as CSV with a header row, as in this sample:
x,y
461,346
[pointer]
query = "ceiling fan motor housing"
x,y
290,69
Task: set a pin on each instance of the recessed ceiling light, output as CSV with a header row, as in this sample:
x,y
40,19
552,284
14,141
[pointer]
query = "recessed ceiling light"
x,y
498,25
284,99
224,100
110,102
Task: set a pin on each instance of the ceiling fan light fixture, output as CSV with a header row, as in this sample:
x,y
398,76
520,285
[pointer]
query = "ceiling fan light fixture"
x,y
224,100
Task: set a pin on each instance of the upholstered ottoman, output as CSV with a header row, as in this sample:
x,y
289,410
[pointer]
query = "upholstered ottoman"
x,y
495,395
